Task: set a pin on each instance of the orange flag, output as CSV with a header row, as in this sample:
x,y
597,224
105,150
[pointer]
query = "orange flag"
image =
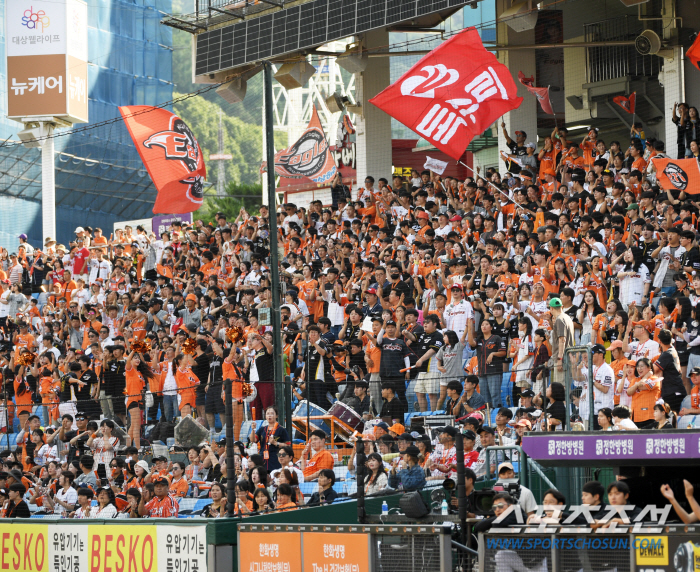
x,y
171,155
693,54
678,174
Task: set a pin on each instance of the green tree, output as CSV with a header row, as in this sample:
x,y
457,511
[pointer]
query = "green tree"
x,y
237,196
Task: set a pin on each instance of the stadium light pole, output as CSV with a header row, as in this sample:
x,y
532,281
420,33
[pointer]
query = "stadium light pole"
x,y
275,316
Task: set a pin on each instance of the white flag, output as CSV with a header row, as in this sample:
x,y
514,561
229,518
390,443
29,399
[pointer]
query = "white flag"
x,y
435,165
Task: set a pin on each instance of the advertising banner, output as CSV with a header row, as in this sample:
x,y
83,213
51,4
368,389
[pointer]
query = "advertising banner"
x,y
335,551
47,50
628,446
262,552
107,547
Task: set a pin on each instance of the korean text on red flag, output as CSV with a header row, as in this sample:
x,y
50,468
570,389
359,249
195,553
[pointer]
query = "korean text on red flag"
x,y
453,94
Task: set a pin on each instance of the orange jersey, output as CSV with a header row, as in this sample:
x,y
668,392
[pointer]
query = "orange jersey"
x,y
321,460
134,385
186,380
165,508
179,488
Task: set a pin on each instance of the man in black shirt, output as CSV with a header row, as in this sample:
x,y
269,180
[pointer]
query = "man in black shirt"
x,y
391,406
490,351
113,384
426,348
668,366
394,359
86,395
79,447
317,369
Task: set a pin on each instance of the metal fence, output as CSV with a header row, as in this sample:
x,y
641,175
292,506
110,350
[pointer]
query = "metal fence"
x,y
610,62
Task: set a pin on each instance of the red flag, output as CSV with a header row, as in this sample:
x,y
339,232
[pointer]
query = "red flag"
x,y
309,157
678,174
452,94
693,53
627,103
171,155
541,93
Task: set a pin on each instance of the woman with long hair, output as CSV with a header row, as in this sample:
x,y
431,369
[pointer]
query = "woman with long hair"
x,y
683,319
137,373
522,350
377,480
136,472
262,500
186,382
586,314
106,504
217,508
618,328
633,277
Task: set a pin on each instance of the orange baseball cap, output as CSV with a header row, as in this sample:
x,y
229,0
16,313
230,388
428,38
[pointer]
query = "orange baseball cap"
x,y
191,297
397,428
617,344
645,324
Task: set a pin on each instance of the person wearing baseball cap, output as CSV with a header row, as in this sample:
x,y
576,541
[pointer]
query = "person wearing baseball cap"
x,y
603,390
562,337
526,500
694,409
408,473
157,502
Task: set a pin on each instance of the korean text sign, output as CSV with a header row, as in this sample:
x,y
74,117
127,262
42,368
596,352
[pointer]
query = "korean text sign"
x,y
47,51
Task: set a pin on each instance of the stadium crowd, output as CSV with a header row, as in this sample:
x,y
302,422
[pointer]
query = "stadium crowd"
x,y
424,293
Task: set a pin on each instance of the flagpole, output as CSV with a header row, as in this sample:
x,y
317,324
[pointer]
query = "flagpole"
x,y
489,182
275,293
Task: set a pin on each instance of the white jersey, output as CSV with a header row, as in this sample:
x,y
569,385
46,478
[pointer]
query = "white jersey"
x,y
456,316
603,375
649,349
632,286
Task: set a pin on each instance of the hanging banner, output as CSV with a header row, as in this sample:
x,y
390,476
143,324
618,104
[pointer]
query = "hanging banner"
x,y
678,175
309,157
453,94
171,155
627,103
541,93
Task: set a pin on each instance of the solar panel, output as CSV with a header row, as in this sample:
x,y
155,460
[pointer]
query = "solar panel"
x,y
303,27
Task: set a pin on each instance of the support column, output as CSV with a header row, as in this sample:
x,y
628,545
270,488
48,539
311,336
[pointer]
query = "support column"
x,y
672,80
525,117
373,143
48,182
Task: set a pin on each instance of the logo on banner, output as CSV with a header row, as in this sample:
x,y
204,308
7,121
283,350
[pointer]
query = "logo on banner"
x,y
309,157
435,76
677,176
179,144
35,20
306,157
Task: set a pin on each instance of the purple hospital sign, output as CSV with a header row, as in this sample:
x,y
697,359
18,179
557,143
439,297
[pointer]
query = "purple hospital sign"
x,y
162,222
612,448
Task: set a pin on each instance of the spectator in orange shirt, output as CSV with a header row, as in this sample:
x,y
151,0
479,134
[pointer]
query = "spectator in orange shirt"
x,y
178,483
156,502
320,458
